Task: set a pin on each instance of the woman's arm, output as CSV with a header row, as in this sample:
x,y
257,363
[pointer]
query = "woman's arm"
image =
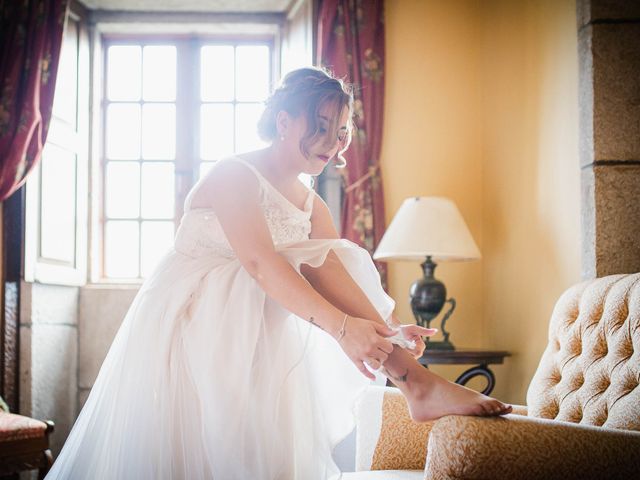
x,y
331,279
335,283
232,190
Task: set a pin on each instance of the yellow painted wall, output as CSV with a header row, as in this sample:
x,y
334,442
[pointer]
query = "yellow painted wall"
x,y
432,141
531,176
481,107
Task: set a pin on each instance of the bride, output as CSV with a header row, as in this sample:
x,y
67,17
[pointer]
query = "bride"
x,y
243,353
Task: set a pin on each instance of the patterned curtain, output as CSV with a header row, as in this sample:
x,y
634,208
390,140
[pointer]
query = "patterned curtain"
x,y
351,44
30,42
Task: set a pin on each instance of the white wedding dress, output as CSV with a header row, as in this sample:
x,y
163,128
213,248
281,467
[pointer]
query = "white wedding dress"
x,y
209,378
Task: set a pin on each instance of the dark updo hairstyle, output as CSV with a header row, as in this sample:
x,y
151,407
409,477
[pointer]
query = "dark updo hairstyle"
x,y
304,92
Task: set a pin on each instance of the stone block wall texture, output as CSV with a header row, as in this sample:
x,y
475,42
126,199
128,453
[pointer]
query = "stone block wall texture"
x,y
49,356
101,311
609,55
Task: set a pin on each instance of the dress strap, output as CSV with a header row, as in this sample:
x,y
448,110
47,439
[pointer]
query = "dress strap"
x,y
261,179
267,185
309,202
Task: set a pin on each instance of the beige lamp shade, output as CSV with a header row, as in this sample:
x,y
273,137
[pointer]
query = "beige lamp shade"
x,y
427,226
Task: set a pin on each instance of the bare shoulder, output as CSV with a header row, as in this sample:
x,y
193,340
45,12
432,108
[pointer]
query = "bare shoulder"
x,y
225,180
322,225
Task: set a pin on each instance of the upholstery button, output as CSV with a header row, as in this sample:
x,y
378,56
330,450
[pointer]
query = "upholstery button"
x,y
577,346
573,316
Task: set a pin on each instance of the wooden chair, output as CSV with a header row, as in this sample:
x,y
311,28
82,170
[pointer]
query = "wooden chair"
x,y
24,444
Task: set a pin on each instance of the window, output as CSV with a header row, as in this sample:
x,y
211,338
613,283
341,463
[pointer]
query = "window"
x,y
234,83
55,236
170,110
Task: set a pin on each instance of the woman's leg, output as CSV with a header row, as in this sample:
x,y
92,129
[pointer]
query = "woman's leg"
x,y
428,395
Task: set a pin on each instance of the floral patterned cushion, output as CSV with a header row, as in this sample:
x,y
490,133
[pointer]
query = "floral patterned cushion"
x,y
18,427
396,422
528,448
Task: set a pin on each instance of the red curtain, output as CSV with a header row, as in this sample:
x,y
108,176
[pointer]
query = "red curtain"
x,y
30,42
351,44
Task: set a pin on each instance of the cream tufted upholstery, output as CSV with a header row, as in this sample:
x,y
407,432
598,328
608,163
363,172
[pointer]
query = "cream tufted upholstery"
x,y
583,414
590,370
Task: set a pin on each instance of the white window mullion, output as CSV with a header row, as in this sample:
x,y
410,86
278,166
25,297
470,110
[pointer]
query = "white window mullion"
x,y
186,121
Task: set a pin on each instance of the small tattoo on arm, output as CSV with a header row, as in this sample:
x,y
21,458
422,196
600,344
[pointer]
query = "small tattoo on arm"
x,y
400,378
312,321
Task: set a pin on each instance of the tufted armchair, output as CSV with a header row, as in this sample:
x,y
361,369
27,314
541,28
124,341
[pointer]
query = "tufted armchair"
x,y
582,418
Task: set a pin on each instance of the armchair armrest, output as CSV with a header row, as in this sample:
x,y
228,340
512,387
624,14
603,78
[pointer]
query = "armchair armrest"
x,y
529,448
519,410
387,438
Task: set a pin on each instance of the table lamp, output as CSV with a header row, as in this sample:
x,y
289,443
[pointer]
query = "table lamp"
x,y
430,229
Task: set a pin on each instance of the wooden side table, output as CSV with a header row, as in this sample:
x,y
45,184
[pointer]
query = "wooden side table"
x,y
481,359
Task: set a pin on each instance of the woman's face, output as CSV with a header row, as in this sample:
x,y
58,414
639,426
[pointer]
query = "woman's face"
x,y
324,148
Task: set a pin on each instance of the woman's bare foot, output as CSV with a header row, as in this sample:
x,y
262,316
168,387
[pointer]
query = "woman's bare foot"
x,y
431,396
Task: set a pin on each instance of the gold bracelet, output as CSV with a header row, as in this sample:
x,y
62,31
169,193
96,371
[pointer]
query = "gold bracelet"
x,y
342,329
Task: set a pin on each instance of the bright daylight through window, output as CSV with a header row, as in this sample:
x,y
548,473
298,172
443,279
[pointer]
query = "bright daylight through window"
x,y
217,94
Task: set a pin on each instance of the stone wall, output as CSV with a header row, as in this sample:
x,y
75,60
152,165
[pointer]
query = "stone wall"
x,y
101,311
609,55
49,356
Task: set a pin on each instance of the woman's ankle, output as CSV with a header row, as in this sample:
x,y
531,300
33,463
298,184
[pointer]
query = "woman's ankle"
x,y
414,382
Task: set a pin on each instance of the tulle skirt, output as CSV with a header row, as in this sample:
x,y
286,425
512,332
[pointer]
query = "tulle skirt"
x,y
209,378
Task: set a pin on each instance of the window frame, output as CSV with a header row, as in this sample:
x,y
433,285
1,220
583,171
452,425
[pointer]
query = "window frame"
x,y
72,138
187,159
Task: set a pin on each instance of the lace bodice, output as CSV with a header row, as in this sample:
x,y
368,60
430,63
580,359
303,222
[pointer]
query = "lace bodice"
x,y
200,232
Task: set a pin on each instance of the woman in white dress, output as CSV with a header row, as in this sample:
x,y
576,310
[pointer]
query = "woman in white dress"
x,y
243,353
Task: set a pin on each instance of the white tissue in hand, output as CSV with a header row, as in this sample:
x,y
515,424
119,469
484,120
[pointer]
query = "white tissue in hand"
x,y
399,339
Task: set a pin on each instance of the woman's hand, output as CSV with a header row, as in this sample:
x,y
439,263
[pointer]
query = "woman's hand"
x,y
415,333
364,342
